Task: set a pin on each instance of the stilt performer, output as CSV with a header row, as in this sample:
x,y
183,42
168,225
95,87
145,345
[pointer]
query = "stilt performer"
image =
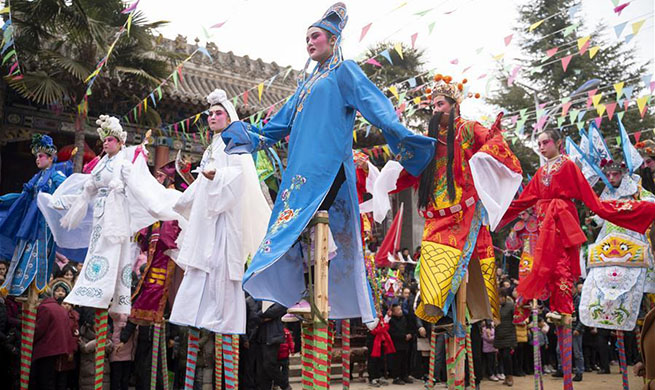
x,y
226,213
320,175
556,259
125,198
469,184
619,259
27,240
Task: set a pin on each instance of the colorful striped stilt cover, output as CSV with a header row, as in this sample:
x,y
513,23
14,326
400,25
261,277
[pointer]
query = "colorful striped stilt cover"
x,y
345,353
235,353
156,336
565,340
26,345
330,344
101,346
228,362
191,358
538,378
469,357
433,359
620,344
164,358
320,354
307,356
218,361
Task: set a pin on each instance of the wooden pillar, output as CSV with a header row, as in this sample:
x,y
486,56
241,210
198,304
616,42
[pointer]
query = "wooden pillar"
x,y
161,155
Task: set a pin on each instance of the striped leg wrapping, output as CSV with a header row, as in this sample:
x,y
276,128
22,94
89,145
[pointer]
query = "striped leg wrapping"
x,y
101,345
321,358
620,344
228,362
164,358
235,353
156,335
307,356
26,346
433,359
469,357
564,338
345,353
191,358
218,361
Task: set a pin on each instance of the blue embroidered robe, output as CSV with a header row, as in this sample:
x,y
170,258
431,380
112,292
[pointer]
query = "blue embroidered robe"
x,y
24,232
319,121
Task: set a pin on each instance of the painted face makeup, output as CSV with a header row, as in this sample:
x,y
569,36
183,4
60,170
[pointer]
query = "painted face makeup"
x,y
319,46
615,178
43,160
111,145
217,118
547,146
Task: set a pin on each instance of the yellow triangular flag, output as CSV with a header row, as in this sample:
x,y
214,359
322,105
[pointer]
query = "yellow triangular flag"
x,y
355,135
260,89
499,56
593,51
582,41
535,25
4,10
596,99
145,105
600,109
399,49
618,87
196,119
636,26
417,100
641,102
394,91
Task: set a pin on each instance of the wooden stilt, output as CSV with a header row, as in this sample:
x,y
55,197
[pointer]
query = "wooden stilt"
x,y
156,335
456,344
321,337
101,345
191,358
28,327
218,361
164,357
345,354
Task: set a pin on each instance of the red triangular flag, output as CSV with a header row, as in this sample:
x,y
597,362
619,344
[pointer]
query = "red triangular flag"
x,y
584,47
414,36
391,242
508,39
245,98
610,107
551,52
364,31
565,61
637,136
626,103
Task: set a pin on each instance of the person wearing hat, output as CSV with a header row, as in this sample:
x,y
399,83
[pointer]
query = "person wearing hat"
x,y
24,226
320,174
125,198
469,183
227,214
647,171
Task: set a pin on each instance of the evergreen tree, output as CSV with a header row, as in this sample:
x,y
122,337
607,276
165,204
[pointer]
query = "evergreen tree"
x,y
542,79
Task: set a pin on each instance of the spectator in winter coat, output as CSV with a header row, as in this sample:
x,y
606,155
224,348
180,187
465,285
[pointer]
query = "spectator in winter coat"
x,y
122,356
52,338
401,334
269,336
286,348
489,350
505,336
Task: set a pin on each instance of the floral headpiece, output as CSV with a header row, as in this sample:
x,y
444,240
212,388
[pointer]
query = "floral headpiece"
x,y
445,86
42,143
646,147
110,127
611,165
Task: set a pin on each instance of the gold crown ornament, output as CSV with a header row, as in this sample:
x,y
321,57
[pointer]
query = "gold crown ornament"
x,y
445,86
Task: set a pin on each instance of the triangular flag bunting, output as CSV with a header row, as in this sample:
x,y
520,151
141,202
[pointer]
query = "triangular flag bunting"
x,y
508,39
565,108
260,90
565,61
627,91
618,87
570,29
499,56
620,115
618,29
593,51
628,38
646,78
373,62
600,109
551,52
414,36
610,109
423,13
637,136
394,91
636,26
364,31
399,49
596,98
641,104
430,27
582,41
535,25
385,54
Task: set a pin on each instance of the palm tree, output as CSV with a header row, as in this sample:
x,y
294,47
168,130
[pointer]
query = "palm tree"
x,y
60,43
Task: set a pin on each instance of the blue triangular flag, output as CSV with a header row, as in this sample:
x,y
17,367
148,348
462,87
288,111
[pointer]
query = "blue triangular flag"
x,y
573,10
204,51
412,82
627,91
386,55
152,97
646,79
628,38
618,29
